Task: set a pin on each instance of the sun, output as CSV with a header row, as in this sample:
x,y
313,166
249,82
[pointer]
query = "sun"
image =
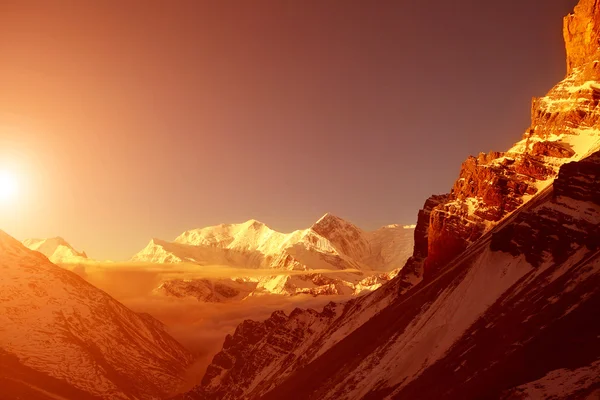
x,y
8,186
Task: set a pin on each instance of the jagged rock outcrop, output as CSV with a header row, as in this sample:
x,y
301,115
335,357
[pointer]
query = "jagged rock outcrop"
x,y
413,270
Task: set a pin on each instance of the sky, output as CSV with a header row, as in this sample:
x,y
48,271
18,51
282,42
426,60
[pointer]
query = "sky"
x,y
123,121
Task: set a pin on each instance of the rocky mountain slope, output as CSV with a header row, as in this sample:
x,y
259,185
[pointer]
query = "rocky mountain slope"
x,y
57,249
510,312
345,259
60,337
499,297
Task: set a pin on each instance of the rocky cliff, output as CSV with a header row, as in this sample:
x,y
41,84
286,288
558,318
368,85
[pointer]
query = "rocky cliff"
x,y
564,127
582,34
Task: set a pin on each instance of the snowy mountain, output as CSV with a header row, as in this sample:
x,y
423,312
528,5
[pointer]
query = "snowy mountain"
x,y
500,296
60,337
346,259
57,249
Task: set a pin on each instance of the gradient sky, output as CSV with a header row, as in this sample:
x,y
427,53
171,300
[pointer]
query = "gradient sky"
x,y
127,120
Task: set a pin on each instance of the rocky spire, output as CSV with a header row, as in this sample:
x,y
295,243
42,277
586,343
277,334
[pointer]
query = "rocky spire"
x,y
582,34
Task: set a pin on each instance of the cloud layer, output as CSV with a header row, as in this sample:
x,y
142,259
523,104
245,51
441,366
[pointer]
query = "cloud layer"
x,y
201,327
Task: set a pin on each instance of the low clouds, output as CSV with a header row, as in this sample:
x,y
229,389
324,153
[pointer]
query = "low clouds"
x,y
201,327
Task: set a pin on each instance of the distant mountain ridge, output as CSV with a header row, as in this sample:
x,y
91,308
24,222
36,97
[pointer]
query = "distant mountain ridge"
x,y
57,249
358,260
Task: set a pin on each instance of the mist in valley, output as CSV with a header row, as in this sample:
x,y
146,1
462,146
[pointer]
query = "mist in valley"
x,y
199,326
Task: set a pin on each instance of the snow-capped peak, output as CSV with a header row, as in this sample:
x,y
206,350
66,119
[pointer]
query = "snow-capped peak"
x,y
252,223
329,223
332,222
57,249
328,217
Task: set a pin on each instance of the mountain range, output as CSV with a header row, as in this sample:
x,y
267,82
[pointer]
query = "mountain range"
x,y
333,256
499,297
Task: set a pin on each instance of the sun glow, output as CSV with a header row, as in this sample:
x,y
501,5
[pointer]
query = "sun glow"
x,y
8,186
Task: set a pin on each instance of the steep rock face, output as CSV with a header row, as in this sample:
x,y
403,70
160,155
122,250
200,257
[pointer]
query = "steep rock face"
x,y
565,126
582,33
413,271
57,329
345,259
422,229
492,324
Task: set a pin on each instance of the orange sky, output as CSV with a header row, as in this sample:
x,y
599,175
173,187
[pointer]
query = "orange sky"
x,y
127,121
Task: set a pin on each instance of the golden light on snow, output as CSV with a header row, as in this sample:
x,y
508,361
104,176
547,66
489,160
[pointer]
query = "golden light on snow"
x,y
8,186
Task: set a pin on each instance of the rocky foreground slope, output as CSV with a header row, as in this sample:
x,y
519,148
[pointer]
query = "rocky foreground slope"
x,y
331,257
500,296
60,337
